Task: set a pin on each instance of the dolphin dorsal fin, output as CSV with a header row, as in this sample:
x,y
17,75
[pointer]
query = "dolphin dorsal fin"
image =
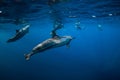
x,y
17,30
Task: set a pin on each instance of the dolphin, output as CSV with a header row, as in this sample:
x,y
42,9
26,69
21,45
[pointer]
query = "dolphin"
x,y
19,34
49,44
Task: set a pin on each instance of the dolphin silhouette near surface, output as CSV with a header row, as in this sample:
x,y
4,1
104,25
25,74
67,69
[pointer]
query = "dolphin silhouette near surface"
x,y
19,34
49,44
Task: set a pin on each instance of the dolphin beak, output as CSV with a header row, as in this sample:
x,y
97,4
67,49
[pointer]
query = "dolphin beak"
x,y
28,26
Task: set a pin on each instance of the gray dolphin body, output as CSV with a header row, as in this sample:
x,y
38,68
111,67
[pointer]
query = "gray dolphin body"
x,y
19,34
48,44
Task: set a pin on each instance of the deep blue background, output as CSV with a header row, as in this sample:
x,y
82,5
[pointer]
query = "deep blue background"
x,y
93,55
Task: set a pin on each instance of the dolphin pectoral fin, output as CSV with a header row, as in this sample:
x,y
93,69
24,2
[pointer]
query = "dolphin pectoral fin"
x,y
17,31
68,46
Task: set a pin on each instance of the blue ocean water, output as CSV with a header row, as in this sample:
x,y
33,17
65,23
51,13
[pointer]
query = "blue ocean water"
x,y
94,54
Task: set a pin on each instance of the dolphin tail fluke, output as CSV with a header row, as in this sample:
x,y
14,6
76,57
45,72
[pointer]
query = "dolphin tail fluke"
x,y
27,56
